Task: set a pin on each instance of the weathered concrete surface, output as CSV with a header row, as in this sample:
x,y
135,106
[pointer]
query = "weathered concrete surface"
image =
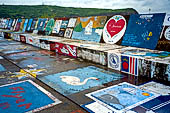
x,y
43,63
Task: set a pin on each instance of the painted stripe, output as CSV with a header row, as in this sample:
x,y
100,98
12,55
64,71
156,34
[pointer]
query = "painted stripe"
x,y
161,105
133,66
130,65
136,67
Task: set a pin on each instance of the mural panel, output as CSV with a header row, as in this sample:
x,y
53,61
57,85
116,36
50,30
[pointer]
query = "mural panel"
x,y
114,61
146,30
10,24
89,28
114,29
34,24
41,24
121,97
30,21
22,101
66,49
25,25
49,26
18,24
160,104
79,79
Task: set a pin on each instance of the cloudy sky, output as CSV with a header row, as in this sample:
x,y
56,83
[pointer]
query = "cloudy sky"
x,y
142,6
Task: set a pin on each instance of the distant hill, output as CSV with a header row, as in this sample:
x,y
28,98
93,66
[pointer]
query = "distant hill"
x,y
47,11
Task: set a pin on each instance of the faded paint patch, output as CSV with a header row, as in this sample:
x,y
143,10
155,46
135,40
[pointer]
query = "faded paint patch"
x,y
27,73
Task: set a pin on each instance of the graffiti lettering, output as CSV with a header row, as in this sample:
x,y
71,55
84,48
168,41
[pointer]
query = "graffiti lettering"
x,y
19,99
14,96
26,105
6,105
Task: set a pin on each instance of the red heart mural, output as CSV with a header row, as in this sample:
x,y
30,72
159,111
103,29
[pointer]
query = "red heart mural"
x,y
114,27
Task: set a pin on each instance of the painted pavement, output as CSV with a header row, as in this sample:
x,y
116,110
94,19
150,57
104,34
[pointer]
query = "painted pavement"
x,y
25,96
79,79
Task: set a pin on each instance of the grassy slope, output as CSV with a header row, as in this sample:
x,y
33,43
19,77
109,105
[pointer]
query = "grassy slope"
x,y
45,11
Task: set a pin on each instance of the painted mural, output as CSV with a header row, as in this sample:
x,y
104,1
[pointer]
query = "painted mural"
x,y
57,25
164,41
34,24
70,27
150,26
10,23
60,27
121,97
28,28
49,26
22,25
36,42
13,24
45,44
16,97
23,38
156,88
16,37
41,24
114,29
6,23
79,79
89,28
29,39
129,65
160,104
18,24
25,25
66,49
114,61
68,32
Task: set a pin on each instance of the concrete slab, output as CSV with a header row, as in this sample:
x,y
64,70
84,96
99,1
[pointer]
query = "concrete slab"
x,y
44,62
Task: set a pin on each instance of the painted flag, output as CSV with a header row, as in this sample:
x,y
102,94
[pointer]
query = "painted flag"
x,y
125,64
129,65
133,66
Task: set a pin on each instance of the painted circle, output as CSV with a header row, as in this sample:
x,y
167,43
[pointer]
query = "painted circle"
x,y
167,33
145,94
114,61
125,65
114,29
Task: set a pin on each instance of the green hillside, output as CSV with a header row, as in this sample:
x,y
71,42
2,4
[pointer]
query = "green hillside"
x,y
46,11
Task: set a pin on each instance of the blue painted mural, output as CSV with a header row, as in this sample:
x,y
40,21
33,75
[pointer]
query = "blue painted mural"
x,y
10,23
146,30
41,24
25,25
74,81
29,24
22,97
121,97
33,26
158,105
